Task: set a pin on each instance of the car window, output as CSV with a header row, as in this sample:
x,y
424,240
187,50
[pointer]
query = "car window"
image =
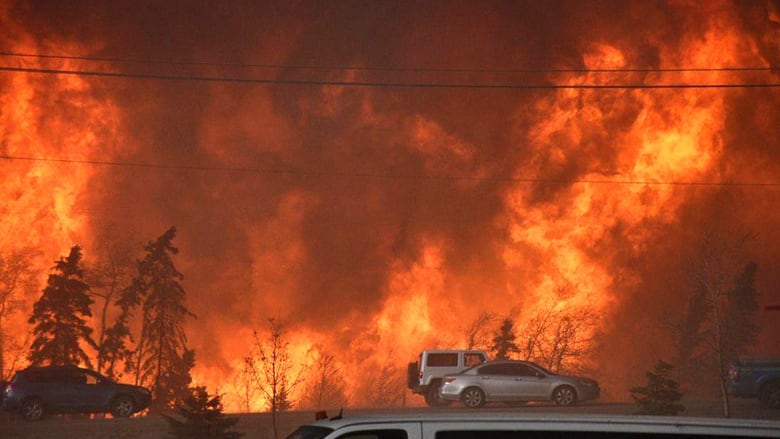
x,y
91,378
493,369
520,369
375,434
439,360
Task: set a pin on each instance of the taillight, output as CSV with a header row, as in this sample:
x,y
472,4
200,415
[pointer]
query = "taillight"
x,y
447,380
420,375
734,374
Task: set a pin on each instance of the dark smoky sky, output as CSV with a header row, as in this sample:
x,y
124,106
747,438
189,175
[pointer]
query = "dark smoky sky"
x,y
355,176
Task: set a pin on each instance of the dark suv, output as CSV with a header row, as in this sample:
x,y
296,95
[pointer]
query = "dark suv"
x,y
36,391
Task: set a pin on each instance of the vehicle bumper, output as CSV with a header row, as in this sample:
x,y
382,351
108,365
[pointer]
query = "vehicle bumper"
x,y
449,392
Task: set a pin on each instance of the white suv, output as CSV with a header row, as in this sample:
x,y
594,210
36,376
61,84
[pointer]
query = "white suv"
x,y
424,376
508,425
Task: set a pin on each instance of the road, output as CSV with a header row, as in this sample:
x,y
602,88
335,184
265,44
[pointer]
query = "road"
x,y
258,425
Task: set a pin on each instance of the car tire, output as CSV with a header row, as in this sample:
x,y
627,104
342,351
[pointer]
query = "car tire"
x,y
770,395
32,409
564,396
473,398
122,407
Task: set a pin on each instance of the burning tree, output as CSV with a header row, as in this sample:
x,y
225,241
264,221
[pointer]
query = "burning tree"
x,y
162,359
385,388
558,338
16,279
244,387
326,385
274,371
60,316
476,333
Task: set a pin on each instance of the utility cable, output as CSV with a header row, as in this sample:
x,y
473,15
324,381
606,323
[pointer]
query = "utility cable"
x,y
311,173
381,84
389,68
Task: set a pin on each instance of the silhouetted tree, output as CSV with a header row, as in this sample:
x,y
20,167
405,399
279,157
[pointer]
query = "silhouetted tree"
x,y
739,322
504,341
200,417
568,339
161,354
720,320
661,395
59,316
275,374
326,387
106,276
16,280
533,333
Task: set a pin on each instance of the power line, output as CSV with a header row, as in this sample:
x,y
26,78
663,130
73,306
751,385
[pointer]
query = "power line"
x,y
311,173
382,84
389,68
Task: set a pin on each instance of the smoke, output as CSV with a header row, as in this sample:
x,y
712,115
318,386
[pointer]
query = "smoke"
x,y
376,221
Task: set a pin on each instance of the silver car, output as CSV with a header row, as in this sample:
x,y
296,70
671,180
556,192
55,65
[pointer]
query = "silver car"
x,y
516,381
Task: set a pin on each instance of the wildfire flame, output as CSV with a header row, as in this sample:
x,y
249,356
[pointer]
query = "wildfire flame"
x,y
370,220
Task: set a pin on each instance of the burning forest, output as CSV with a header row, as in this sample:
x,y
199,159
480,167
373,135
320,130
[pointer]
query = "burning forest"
x,y
351,185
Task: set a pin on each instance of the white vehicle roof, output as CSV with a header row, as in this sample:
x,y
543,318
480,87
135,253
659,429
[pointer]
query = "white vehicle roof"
x,y
566,422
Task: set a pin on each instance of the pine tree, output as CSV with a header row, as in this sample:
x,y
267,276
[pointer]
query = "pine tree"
x,y
59,316
200,416
162,360
661,395
504,341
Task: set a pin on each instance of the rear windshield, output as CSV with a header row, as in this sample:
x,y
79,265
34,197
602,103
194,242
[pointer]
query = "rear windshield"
x,y
310,432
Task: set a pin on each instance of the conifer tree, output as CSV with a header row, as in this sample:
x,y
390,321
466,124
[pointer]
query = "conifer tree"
x,y
200,416
162,360
504,341
661,395
59,316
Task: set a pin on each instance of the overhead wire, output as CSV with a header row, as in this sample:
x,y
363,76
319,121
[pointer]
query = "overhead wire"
x,y
385,84
319,173
391,68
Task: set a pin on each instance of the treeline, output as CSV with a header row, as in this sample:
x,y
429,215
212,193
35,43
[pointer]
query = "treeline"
x,y
140,327
124,317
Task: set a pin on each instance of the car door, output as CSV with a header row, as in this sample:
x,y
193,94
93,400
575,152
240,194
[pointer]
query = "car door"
x,y
65,390
527,383
91,391
495,381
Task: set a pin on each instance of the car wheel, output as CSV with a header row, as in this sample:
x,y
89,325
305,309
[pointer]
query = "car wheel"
x,y
122,407
564,396
770,395
473,398
32,409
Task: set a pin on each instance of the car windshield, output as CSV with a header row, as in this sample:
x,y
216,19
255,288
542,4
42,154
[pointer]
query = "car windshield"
x,y
274,209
